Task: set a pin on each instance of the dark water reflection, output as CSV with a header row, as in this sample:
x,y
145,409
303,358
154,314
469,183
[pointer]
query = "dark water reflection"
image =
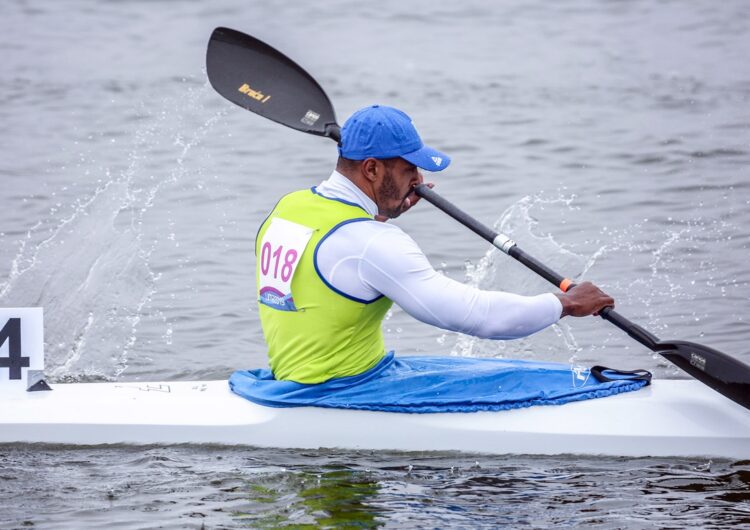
x,y
232,488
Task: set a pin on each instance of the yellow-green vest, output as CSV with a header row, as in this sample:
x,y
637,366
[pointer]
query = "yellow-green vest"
x,y
330,334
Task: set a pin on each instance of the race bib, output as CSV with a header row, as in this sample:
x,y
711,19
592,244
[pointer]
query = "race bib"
x,y
280,251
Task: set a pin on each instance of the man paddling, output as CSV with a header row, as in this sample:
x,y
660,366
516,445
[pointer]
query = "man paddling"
x,y
328,271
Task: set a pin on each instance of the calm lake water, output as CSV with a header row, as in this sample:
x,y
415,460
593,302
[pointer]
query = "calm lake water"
x,y
610,139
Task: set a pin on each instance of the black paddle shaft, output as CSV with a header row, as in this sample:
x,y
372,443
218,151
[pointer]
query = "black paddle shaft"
x,y
261,79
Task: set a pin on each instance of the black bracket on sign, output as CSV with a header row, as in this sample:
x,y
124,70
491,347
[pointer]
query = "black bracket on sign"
x,y
39,385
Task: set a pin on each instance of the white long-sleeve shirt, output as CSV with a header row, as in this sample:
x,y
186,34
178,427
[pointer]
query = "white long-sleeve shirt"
x,y
368,259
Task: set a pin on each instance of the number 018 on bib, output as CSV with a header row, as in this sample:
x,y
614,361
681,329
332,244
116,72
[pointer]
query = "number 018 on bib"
x,y
280,251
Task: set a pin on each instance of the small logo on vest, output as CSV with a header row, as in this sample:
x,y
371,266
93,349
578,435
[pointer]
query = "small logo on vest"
x,y
276,299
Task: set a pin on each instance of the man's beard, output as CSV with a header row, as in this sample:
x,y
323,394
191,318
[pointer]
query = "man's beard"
x,y
388,192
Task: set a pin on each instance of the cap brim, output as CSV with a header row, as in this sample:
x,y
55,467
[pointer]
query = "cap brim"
x,y
428,159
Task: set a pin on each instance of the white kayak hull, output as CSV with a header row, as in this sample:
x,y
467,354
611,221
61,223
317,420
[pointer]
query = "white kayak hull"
x,y
668,418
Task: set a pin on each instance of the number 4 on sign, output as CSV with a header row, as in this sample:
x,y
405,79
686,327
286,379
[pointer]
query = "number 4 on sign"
x,y
21,348
11,333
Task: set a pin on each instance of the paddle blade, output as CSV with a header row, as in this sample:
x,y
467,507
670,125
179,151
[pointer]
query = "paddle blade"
x,y
726,375
259,78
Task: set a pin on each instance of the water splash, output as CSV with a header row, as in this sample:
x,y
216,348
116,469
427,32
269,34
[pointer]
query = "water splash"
x,y
495,271
650,275
90,270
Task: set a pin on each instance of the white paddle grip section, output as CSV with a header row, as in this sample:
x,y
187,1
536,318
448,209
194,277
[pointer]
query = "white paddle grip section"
x,y
21,347
503,242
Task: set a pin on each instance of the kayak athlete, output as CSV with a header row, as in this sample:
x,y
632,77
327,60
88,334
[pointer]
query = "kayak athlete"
x,y
328,269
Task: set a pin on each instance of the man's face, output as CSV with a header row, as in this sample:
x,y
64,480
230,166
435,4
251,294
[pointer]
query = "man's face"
x,y
393,188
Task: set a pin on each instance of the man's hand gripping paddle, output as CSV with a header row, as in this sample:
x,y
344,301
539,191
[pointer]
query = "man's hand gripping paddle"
x,y
261,79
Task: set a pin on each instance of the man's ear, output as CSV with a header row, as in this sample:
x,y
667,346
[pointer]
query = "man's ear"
x,y
369,169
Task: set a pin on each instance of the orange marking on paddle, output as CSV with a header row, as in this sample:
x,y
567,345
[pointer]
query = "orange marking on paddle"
x,y
566,284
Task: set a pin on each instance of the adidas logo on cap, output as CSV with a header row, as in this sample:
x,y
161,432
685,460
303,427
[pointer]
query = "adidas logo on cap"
x,y
437,160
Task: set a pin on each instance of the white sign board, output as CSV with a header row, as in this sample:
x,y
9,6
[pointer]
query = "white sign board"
x,y
21,347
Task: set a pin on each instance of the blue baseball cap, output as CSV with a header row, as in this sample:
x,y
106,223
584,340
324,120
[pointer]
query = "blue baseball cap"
x,y
384,132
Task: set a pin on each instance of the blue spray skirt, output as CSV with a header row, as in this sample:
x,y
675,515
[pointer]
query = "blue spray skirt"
x,y
436,384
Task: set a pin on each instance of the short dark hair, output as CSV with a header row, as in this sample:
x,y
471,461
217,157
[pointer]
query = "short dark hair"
x,y
346,164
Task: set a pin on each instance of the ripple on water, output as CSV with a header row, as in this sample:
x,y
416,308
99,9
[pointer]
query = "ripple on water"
x,y
233,487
